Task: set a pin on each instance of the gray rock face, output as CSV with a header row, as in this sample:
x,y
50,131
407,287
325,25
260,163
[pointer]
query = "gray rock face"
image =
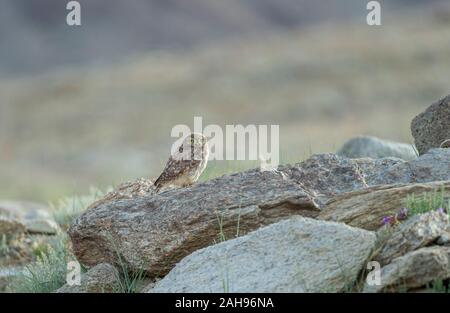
x,y
416,232
373,147
155,231
102,278
327,175
431,127
414,269
432,166
295,255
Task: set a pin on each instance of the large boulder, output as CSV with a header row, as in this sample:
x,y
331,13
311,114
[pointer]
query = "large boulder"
x,y
432,127
158,230
155,231
373,147
366,208
413,270
295,255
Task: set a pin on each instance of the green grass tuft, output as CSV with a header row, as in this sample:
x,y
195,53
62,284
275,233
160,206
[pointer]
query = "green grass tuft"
x,y
47,273
439,286
68,209
129,281
428,202
4,246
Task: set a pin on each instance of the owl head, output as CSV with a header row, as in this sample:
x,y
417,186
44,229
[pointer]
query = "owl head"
x,y
193,147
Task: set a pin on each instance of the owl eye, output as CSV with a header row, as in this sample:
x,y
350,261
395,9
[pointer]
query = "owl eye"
x,y
192,141
180,149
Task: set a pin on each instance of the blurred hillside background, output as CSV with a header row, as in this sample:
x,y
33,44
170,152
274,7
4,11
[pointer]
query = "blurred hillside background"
x,y
94,105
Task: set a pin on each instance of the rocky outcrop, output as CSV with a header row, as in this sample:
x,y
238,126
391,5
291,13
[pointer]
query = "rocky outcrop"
x,y
328,175
376,148
155,231
417,232
366,208
431,127
413,255
158,230
413,270
102,278
295,255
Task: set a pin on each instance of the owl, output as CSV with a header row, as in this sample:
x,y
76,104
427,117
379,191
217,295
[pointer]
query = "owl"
x,y
445,144
186,163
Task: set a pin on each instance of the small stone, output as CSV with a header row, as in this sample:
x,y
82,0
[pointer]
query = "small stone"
x,y
102,278
42,226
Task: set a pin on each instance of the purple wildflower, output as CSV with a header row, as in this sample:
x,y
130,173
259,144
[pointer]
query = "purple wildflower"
x,y
388,220
402,214
442,210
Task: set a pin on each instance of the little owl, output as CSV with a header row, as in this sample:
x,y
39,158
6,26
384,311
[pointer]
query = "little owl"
x,y
186,164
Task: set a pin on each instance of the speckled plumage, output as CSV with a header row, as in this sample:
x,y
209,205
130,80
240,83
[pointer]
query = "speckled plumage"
x,y
186,164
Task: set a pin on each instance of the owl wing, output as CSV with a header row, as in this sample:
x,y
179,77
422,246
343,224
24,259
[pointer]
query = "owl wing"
x,y
174,169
